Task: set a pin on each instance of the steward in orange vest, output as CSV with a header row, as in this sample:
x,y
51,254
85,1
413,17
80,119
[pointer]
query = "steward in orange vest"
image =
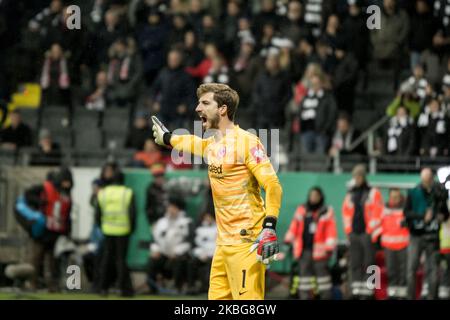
x,y
313,235
361,212
395,240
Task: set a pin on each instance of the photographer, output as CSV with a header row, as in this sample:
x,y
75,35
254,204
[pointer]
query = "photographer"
x,y
425,209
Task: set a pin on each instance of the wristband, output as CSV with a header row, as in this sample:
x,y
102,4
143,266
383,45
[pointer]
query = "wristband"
x,y
166,138
270,223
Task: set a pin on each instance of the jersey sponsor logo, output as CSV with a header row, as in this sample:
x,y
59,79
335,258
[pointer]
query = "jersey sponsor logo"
x,y
215,169
258,154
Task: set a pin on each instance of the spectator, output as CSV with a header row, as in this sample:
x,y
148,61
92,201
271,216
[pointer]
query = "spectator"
x,y
344,78
317,118
149,155
354,28
441,40
116,214
331,35
139,133
178,30
302,56
271,93
156,194
204,246
446,94
151,38
246,67
388,41
400,134
195,14
193,55
210,32
124,72
267,15
445,252
55,80
423,28
219,72
48,153
313,234
361,213
434,128
315,14
343,138
111,31
171,245
97,100
17,134
293,25
406,98
44,19
229,26
201,70
425,209
51,199
174,109
395,240
417,82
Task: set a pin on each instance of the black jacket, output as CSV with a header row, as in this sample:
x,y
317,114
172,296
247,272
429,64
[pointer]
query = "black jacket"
x,y
400,140
325,111
172,88
20,136
156,202
271,94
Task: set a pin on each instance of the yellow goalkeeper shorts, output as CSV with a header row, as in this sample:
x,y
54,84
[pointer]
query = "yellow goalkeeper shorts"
x,y
236,274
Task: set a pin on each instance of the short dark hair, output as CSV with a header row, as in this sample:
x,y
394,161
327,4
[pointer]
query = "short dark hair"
x,y
223,95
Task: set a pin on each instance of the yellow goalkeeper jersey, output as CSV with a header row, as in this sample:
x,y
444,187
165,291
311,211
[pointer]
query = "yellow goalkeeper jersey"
x,y
238,167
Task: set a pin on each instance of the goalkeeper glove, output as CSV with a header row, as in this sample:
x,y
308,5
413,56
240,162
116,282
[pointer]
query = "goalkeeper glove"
x,y
266,245
160,132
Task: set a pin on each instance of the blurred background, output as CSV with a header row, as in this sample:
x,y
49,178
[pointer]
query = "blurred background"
x,y
75,106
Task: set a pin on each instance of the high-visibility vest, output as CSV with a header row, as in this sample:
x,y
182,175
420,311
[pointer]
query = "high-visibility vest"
x,y
325,236
444,236
114,202
372,213
393,235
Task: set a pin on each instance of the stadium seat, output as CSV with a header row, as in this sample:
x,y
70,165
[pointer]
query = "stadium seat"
x,y
123,157
7,157
63,138
55,118
88,139
83,118
89,158
114,140
117,119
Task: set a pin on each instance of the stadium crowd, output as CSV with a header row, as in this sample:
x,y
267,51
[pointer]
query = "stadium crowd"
x,y
297,65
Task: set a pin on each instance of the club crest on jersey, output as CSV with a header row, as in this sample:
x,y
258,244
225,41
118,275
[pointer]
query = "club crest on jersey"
x,y
258,154
221,152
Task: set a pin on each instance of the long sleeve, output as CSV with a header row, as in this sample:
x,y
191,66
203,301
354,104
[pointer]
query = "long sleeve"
x,y
190,143
261,168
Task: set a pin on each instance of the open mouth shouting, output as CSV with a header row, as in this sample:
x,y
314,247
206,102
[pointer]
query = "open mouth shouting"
x,y
204,120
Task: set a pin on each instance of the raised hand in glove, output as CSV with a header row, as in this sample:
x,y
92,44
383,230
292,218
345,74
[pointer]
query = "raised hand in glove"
x,y
266,245
160,132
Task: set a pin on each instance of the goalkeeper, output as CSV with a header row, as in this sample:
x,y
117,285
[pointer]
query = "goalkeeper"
x,y
237,167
